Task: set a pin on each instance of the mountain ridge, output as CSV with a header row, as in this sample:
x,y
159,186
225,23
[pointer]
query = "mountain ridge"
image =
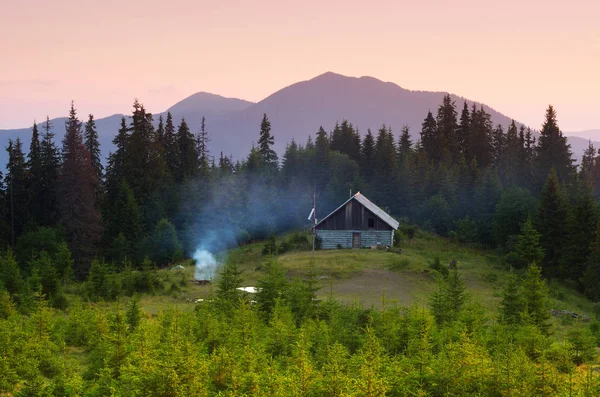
x,y
296,111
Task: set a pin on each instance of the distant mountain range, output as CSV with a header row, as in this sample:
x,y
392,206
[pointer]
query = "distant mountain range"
x,y
296,111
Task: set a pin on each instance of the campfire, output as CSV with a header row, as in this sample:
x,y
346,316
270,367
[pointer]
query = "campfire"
x,y
201,282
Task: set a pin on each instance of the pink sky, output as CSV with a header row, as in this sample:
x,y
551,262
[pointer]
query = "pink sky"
x,y
516,56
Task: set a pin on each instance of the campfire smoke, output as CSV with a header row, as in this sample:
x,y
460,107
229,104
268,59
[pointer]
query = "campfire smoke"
x,y
206,265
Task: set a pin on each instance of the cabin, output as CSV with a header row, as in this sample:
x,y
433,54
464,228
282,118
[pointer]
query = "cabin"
x,y
358,223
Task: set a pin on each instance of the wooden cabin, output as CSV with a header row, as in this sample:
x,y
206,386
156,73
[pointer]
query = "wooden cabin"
x,y
358,223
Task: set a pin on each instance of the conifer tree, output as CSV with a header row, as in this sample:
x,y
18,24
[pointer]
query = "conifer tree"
x,y
170,146
188,155
498,145
321,167
16,189
159,135
511,160
429,138
463,131
535,298
139,169
77,185
91,143
405,148
386,167
552,223
511,305
367,161
265,144
229,281
591,278
581,227
447,126
527,249
50,159
203,152
553,151
588,165
35,176
480,142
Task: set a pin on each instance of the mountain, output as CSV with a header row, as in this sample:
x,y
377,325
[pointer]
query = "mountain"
x,y
296,112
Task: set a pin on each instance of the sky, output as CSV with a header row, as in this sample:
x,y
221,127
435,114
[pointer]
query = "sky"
x,y
516,56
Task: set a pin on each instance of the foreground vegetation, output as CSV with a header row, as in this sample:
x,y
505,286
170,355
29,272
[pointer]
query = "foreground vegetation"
x,y
477,330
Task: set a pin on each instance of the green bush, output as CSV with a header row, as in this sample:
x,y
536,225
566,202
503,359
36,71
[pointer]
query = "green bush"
x,y
438,267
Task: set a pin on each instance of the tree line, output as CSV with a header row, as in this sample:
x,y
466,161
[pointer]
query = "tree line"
x,y
504,187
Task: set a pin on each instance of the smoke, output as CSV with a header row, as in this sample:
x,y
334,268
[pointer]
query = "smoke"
x,y
206,265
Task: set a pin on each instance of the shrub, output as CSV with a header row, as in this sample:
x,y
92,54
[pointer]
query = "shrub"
x,y
438,267
270,247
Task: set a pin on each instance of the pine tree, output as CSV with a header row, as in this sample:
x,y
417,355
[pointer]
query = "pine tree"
x,y
368,159
498,145
591,278
588,165
203,152
188,154
51,168
91,143
552,223
230,279
553,151
511,305
170,146
535,298
386,168
35,176
125,218
447,126
527,249
511,160
159,135
77,185
480,141
139,170
265,144
463,131
16,188
321,167
581,227
429,138
405,149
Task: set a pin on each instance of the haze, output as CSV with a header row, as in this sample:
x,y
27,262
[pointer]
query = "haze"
x,y
516,56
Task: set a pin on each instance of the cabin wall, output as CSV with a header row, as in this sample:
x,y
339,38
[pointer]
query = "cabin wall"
x,y
330,239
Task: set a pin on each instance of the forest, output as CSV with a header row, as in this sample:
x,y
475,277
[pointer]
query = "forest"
x,y
81,235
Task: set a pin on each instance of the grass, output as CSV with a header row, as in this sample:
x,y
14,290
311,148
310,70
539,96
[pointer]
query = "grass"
x,y
370,276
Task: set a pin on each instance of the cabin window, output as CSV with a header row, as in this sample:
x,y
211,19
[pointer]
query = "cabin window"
x,y
371,223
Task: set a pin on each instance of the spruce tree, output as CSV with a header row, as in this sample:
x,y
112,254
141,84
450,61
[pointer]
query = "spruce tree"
x,y
498,145
591,278
36,177
511,160
77,185
552,224
203,152
553,151
527,248
139,170
429,138
187,166
16,189
581,227
91,143
265,144
368,159
480,138
170,146
447,126
511,305
51,167
535,299
321,166
588,165
405,148
463,131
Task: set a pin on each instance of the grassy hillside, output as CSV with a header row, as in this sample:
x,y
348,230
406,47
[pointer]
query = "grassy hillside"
x,y
370,277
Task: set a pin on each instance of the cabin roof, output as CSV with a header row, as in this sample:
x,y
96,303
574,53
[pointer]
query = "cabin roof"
x,y
368,204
